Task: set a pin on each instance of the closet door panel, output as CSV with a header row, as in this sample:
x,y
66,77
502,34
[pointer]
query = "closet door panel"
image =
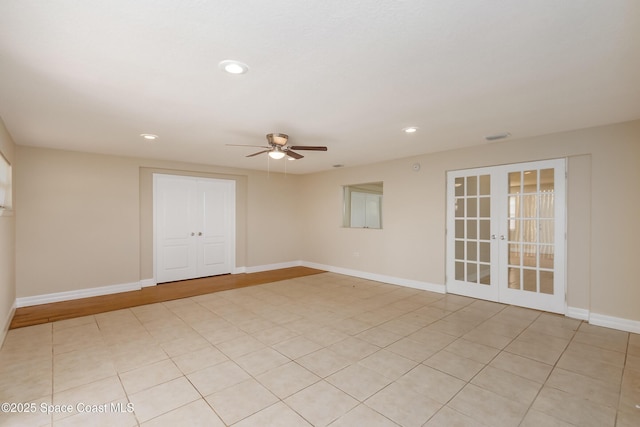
x,y
175,221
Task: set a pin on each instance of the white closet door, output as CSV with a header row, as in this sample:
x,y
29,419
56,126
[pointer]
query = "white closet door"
x,y
175,224
194,227
216,205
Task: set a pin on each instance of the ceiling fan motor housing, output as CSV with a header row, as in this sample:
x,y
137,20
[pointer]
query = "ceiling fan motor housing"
x,y
278,138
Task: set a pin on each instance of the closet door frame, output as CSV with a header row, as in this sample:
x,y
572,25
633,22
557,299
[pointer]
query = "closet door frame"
x,y
188,249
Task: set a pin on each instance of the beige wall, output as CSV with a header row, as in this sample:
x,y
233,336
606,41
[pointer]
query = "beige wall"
x,y
604,172
7,245
79,221
84,220
88,218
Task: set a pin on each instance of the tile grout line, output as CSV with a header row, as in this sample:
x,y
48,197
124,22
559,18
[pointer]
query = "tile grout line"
x,y
486,364
624,368
549,375
320,319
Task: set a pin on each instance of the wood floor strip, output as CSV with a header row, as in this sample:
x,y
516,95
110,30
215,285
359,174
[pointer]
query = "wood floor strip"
x,y
44,313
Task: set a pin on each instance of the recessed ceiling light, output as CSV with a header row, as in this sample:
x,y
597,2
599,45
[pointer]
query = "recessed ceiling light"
x,y
410,129
149,136
233,67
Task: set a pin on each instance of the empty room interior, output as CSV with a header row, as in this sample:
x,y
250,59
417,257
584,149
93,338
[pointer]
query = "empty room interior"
x,y
380,213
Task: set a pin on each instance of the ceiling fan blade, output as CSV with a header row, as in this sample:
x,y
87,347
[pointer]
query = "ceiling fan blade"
x,y
293,154
308,147
259,152
244,145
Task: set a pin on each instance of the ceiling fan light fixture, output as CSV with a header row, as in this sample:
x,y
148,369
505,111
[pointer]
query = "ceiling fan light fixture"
x,y
276,154
233,67
278,148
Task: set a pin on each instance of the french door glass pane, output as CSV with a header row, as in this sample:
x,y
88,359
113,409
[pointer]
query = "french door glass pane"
x,y
514,207
472,251
530,182
546,231
514,230
529,231
514,254
530,256
485,185
514,278
546,257
460,249
529,207
485,207
546,282
529,280
472,272
472,185
514,182
472,207
472,229
485,274
460,271
459,184
485,252
546,180
485,229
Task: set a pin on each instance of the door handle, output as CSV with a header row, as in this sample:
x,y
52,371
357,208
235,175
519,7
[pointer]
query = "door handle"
x,y
502,237
193,234
493,237
199,233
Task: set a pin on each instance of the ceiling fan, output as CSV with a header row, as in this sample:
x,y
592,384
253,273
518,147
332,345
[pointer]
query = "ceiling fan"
x,y
278,147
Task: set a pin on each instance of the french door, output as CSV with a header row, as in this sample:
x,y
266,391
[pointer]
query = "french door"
x,y
506,234
194,227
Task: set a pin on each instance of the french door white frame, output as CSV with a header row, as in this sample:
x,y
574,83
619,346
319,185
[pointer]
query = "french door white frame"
x,y
494,262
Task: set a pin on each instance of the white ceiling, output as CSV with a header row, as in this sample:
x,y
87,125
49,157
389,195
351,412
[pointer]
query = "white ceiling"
x,y
93,75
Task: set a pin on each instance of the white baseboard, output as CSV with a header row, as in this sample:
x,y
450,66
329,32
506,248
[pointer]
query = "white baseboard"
x,y
611,322
7,322
409,283
577,313
621,324
145,283
80,293
126,287
268,267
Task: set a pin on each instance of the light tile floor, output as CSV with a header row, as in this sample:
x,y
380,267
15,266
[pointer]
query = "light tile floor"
x,y
321,350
